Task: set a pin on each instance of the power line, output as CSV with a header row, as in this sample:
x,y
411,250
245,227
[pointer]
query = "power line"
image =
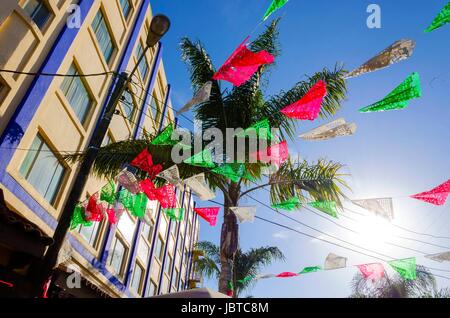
x,y
163,102
401,227
333,243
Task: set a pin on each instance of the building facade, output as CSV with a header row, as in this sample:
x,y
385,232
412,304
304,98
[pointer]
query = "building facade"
x,y
42,116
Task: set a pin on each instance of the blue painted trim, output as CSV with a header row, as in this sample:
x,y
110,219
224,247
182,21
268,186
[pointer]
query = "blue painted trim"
x,y
24,114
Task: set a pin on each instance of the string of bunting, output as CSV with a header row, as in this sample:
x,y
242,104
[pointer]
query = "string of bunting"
x,y
406,268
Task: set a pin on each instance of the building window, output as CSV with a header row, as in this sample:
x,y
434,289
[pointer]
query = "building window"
x,y
127,227
143,251
118,256
143,64
38,11
168,265
136,280
155,109
104,37
43,170
126,7
129,106
159,251
147,231
151,289
76,94
175,279
90,233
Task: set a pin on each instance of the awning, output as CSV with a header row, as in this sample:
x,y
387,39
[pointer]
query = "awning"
x,y
19,234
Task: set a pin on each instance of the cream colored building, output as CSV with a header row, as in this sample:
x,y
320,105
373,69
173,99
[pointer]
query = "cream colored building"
x,y
42,116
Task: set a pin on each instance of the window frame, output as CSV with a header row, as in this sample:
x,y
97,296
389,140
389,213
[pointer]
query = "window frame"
x,y
92,102
41,4
121,274
110,58
62,180
141,280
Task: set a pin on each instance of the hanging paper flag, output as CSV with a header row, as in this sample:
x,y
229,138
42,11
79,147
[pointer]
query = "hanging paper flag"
x,y
79,218
94,210
274,6
171,175
399,98
127,199
442,19
313,269
111,214
436,196
166,196
149,189
265,276
233,171
287,275
165,137
108,193
144,161
139,205
201,159
373,272
242,64
244,213
289,205
328,207
398,51
198,185
405,267
202,96
119,209
276,154
334,261
383,207
175,215
308,107
208,214
127,180
246,279
441,257
337,128
259,130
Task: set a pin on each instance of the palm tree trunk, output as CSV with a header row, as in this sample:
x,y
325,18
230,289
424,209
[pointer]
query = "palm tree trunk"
x,y
229,239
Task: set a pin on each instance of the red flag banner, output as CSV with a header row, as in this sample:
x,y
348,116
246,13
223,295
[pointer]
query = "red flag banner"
x,y
94,211
374,272
208,214
308,107
276,154
436,196
144,161
242,64
287,275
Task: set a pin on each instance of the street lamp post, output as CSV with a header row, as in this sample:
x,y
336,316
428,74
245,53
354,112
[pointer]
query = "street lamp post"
x,y
159,26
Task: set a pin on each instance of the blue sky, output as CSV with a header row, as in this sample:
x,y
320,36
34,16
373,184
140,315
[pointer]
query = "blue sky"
x,y
393,154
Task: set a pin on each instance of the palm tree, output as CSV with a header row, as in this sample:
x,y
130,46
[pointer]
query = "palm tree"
x,y
395,286
241,107
246,264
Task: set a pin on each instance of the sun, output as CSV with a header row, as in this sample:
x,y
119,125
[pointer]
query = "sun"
x,y
375,231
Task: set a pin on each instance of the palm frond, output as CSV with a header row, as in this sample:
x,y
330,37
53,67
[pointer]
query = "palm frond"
x,y
321,181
